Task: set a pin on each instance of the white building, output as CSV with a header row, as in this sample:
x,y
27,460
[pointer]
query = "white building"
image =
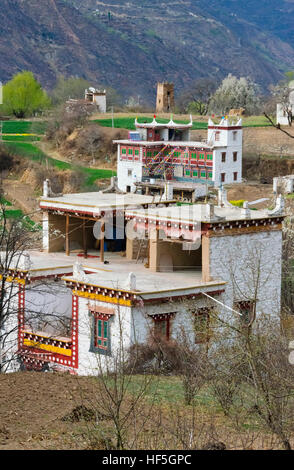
x,y
97,97
285,111
158,152
183,266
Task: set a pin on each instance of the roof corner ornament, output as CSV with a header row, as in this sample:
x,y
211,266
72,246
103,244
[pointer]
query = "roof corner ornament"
x,y
223,198
279,207
47,191
79,273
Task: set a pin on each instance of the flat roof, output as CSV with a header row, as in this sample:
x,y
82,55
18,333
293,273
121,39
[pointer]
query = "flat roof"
x,y
176,143
177,185
115,274
97,201
198,213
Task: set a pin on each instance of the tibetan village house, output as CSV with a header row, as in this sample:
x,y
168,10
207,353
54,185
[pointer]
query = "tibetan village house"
x,y
157,153
164,269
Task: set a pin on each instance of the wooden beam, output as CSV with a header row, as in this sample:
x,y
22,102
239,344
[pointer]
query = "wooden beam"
x,y
85,239
67,245
102,241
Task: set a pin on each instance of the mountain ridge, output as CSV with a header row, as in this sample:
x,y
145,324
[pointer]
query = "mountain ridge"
x,y
131,46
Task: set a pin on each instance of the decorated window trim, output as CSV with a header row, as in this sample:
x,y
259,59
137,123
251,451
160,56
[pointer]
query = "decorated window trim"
x,y
161,318
105,347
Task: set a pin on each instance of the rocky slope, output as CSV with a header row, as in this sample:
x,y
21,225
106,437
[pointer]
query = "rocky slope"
x,y
131,45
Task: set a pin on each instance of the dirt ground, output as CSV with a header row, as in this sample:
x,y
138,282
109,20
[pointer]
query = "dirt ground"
x,y
42,411
31,407
251,192
22,197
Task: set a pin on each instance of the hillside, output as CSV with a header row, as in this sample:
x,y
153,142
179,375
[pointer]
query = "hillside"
x,y
130,45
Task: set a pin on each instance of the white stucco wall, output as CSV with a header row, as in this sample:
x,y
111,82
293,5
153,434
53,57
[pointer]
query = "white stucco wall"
x,y
10,330
120,336
229,167
123,167
100,101
248,262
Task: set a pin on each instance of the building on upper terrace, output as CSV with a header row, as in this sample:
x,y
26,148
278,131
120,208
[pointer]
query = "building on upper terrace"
x,y
181,268
158,153
165,100
97,97
285,111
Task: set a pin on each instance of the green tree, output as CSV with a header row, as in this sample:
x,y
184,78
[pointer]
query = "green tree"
x,y
69,88
23,96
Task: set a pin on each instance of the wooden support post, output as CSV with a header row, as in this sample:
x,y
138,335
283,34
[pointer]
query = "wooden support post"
x,y
67,245
85,239
102,241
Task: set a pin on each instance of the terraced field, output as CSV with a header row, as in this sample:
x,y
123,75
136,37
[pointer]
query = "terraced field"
x,y
20,138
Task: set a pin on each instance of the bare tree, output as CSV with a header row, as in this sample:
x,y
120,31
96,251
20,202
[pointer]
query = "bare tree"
x,y
15,240
120,395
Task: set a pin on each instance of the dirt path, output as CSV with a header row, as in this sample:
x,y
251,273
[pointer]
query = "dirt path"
x,y
47,148
21,196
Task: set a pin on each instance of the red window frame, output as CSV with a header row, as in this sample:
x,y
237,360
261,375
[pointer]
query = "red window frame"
x,y
104,339
159,322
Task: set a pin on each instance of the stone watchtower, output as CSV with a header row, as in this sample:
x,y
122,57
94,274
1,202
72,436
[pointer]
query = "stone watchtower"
x,y
165,97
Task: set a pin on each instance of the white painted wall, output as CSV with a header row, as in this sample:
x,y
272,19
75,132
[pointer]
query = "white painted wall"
x,y
247,262
229,166
125,179
93,363
101,102
10,328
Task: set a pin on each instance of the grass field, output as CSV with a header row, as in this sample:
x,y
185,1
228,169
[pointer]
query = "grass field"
x,y
18,214
129,122
24,127
20,138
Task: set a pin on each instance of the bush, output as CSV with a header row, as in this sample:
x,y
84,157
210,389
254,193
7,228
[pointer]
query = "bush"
x,y
157,355
6,159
